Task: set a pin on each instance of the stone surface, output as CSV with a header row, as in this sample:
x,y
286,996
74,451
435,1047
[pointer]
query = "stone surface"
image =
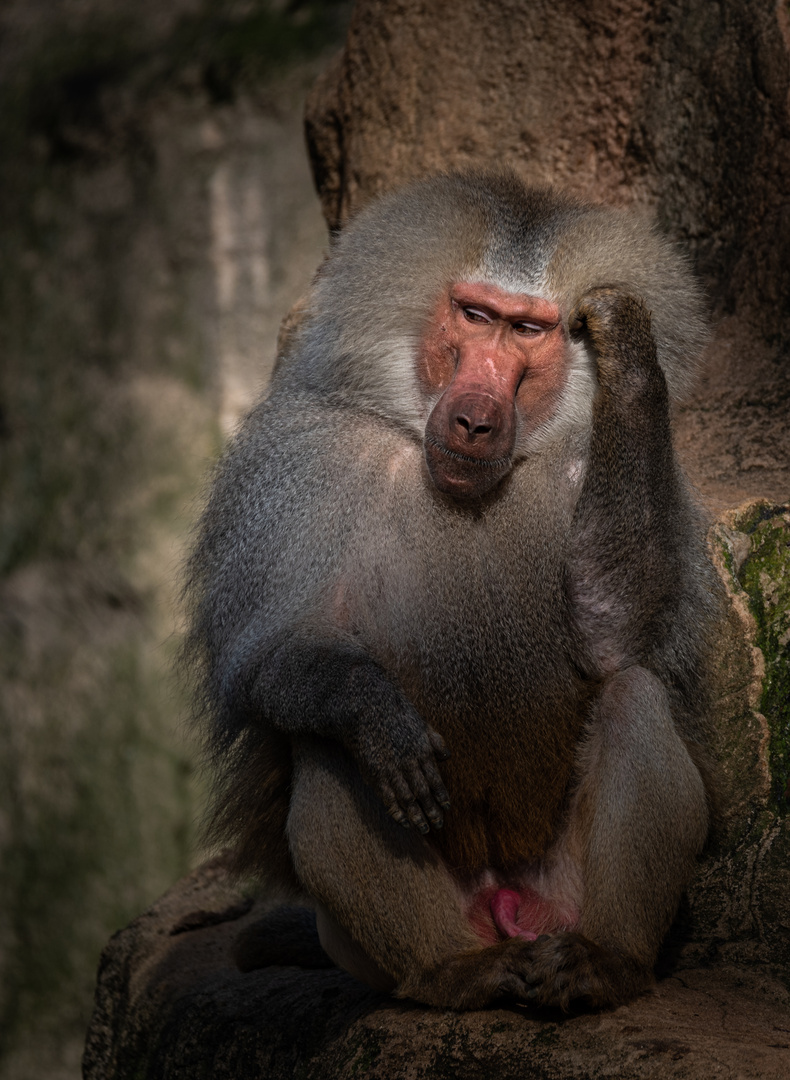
x,y
172,1003
739,902
157,220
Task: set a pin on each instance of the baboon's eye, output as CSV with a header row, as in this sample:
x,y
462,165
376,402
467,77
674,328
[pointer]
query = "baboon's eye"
x,y
527,328
473,314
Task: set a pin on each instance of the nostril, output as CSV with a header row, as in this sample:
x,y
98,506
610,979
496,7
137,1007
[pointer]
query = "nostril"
x,y
470,427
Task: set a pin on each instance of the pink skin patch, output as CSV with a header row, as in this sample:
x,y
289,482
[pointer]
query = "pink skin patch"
x,y
505,906
496,914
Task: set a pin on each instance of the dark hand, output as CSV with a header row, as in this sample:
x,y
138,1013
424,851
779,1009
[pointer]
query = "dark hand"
x,y
619,329
400,764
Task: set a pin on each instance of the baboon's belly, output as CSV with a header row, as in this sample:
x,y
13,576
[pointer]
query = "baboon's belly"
x,y
508,778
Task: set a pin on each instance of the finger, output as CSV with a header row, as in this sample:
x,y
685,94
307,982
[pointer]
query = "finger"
x,y
391,805
420,786
417,819
437,787
594,307
438,744
398,815
405,797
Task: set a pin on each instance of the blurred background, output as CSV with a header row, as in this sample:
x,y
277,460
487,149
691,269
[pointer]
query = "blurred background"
x,y
157,221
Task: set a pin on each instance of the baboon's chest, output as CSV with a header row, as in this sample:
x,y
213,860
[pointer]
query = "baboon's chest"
x,y
469,615
495,679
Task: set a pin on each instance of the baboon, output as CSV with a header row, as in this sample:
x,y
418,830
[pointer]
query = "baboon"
x,y
451,603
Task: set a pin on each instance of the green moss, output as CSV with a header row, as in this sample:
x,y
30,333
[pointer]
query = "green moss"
x,y
765,577
729,561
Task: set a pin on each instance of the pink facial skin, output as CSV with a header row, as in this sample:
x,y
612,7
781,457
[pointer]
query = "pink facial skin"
x,y
499,360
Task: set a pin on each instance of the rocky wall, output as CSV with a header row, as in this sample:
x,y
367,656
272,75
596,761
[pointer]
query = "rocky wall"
x,y
157,222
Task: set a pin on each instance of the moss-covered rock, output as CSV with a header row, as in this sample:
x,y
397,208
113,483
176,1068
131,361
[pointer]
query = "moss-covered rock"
x,y
763,572
740,899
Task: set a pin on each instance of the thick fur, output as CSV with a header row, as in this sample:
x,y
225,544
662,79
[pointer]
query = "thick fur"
x,y
349,621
